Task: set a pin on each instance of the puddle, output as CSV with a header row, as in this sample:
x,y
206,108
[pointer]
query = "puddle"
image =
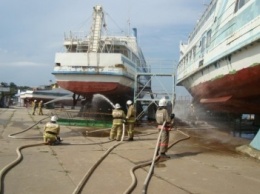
x,y
104,133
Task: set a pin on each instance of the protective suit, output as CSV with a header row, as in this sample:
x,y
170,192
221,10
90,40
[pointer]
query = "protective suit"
x,y
130,120
40,108
51,132
34,106
162,116
118,119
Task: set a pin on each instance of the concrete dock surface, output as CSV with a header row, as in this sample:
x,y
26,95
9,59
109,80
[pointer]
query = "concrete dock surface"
x,y
207,163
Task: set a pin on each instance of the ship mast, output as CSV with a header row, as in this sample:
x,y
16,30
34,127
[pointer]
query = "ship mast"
x,y
96,28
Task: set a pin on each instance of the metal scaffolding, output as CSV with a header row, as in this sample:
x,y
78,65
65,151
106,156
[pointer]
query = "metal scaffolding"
x,y
156,82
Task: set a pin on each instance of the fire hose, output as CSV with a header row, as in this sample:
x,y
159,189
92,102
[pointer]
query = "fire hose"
x,y
14,163
154,160
13,134
19,154
92,169
19,157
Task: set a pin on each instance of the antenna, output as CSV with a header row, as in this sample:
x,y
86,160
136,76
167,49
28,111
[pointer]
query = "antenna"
x,y
129,18
129,26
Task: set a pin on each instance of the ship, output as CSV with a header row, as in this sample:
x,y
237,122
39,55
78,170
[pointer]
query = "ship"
x,y
98,63
219,64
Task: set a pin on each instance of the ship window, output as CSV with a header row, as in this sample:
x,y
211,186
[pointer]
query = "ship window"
x,y
240,3
194,51
203,44
208,38
201,64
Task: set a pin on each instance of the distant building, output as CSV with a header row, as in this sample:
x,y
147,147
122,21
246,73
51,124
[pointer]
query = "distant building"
x,y
57,96
4,98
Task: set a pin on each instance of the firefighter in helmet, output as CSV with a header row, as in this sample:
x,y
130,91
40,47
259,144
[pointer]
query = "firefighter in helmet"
x,y
118,119
34,106
40,105
130,120
51,132
162,116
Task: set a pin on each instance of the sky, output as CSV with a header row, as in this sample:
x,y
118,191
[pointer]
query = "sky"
x,y
32,31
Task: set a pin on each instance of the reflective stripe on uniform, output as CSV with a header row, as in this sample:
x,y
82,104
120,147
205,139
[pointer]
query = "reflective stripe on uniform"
x,y
167,128
163,144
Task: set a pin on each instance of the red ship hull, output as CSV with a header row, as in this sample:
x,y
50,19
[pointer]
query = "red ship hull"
x,y
238,92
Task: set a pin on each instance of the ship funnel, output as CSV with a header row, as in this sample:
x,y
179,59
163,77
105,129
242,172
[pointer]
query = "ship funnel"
x,y
135,32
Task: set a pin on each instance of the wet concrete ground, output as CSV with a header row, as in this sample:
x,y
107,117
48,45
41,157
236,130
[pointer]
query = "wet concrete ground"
x,y
207,163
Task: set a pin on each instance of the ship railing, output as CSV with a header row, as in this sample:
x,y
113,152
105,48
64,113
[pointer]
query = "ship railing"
x,y
75,36
85,69
82,35
158,66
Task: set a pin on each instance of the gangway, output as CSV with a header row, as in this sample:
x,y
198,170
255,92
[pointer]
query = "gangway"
x,y
157,82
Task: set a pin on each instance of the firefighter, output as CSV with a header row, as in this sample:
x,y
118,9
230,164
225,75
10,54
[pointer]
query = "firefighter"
x,y
130,120
40,105
34,106
118,120
192,114
162,116
51,132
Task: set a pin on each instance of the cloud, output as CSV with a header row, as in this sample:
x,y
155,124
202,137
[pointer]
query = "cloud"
x,y
22,64
32,30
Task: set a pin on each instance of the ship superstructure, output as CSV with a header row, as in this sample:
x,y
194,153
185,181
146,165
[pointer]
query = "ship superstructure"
x,y
98,63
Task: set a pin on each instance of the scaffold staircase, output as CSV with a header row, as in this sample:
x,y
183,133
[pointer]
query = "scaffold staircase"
x,y
159,83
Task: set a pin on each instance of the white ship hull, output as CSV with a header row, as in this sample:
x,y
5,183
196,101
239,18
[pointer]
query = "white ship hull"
x,y
100,64
220,65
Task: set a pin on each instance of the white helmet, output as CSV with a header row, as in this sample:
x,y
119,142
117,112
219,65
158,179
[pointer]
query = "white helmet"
x,y
129,102
117,106
54,118
162,102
